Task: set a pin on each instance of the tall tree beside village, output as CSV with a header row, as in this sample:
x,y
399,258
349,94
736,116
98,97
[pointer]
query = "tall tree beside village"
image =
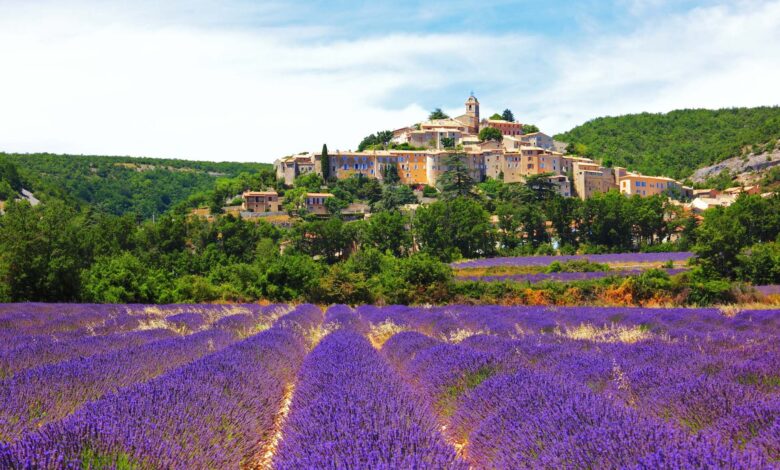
x,y
507,115
490,133
437,114
456,181
325,162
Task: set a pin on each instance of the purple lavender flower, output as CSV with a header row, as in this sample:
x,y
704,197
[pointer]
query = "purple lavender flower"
x,y
546,260
225,404
350,410
43,394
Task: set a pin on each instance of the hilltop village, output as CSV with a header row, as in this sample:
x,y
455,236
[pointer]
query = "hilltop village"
x,y
493,148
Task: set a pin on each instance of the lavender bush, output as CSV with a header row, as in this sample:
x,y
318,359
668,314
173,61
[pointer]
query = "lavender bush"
x,y
637,258
350,410
219,412
43,394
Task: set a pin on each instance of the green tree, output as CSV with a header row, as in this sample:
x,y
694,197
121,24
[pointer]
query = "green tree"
x,y
448,142
760,264
330,240
508,116
419,278
387,231
563,214
311,182
340,285
490,133
529,129
496,117
390,174
719,241
437,114
325,163
540,187
122,278
453,228
291,277
606,222
396,196
295,202
456,180
42,251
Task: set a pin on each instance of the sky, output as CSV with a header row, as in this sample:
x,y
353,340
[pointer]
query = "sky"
x,y
240,80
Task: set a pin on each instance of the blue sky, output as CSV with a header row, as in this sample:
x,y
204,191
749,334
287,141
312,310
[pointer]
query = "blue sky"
x,y
251,81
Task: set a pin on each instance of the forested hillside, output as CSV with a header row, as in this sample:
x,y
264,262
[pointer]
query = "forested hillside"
x,y
676,143
118,185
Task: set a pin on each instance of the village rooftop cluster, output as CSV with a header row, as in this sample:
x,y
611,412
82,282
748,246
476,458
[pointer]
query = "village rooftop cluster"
x,y
419,153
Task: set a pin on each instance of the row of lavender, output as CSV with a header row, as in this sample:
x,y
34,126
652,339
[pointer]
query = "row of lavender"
x,y
486,387
351,410
534,278
594,387
63,356
217,412
612,258
37,334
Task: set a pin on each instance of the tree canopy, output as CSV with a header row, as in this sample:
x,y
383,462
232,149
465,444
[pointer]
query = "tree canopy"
x,y
677,143
437,114
456,180
490,133
507,115
373,141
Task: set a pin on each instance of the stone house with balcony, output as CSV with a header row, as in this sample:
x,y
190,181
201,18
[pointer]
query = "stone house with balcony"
x,y
260,201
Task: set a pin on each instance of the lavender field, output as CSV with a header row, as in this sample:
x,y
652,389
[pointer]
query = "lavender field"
x,y
612,258
245,386
534,278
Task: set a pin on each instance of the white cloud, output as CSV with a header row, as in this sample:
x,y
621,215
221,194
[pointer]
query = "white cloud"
x,y
721,56
105,87
119,83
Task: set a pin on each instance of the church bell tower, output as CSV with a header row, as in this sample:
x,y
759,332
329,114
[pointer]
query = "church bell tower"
x,y
472,112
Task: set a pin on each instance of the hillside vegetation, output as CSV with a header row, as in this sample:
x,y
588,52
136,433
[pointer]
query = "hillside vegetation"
x,y
676,143
118,185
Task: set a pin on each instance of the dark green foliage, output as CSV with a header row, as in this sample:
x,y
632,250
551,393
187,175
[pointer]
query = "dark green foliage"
x,y
396,196
291,277
437,114
325,163
448,142
42,251
119,185
390,174
122,278
456,180
529,129
10,181
380,140
311,182
676,143
454,228
387,232
490,133
331,239
726,240
429,191
507,115
760,264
